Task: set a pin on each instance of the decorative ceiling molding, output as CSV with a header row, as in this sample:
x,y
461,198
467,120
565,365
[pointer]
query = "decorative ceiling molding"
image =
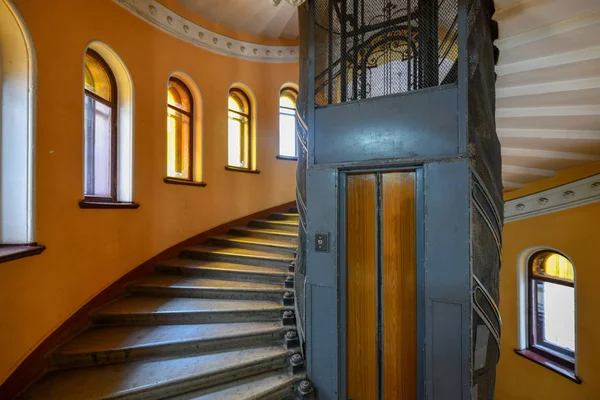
x,y
295,3
166,20
573,194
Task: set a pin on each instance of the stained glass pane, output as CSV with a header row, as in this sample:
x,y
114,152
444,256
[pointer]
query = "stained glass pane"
x,y
554,266
97,78
235,104
179,95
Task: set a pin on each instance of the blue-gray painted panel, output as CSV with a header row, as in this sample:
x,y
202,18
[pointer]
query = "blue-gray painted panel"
x,y
322,200
447,271
447,350
419,124
321,344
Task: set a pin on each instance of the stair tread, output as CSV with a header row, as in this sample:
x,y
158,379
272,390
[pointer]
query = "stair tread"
x,y
174,281
199,264
284,222
287,214
112,381
136,305
256,240
236,251
267,231
250,388
101,339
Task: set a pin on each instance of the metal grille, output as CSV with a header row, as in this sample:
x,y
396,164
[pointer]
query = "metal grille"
x,y
373,48
485,255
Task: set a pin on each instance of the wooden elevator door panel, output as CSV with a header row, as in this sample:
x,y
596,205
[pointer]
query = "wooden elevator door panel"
x,y
399,283
381,286
361,256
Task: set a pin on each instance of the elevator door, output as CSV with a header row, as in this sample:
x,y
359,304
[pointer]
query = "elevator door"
x,y
381,286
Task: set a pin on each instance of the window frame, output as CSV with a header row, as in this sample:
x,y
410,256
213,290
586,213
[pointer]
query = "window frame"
x,y
246,139
295,95
540,351
114,106
191,145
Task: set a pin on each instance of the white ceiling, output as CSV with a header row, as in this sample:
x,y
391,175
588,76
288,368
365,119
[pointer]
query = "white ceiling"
x,y
256,17
548,88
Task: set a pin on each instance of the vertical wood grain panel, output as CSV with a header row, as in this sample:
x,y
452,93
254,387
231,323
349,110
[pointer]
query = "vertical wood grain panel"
x,y
399,286
361,289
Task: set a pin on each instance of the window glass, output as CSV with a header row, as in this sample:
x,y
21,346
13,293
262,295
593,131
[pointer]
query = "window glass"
x,y
100,124
179,130
552,318
287,123
238,130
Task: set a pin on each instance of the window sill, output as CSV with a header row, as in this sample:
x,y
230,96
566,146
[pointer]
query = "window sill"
x,y
14,252
549,364
87,204
288,158
175,181
238,169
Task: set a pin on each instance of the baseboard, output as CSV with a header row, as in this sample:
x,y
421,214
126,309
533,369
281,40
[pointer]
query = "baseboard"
x,y
36,363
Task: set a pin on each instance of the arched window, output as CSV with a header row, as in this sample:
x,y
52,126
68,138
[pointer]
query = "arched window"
x,y
18,94
239,130
552,307
109,100
100,117
287,123
180,135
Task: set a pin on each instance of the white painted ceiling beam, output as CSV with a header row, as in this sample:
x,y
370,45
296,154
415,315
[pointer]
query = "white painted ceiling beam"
x,y
516,8
515,169
548,134
548,111
547,88
549,154
512,185
580,21
554,60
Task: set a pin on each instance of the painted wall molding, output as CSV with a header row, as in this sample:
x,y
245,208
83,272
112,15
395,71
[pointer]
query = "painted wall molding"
x,y
573,194
166,20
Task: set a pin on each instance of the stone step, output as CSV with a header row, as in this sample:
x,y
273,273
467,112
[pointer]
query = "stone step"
x,y
105,345
268,386
222,270
284,217
197,287
265,233
136,310
254,243
239,256
157,379
289,226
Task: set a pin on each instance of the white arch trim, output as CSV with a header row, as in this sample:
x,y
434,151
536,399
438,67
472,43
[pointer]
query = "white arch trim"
x,y
18,87
126,107
523,295
198,112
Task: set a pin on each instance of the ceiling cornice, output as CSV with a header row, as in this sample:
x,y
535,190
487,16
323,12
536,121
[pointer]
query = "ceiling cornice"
x,y
570,195
166,20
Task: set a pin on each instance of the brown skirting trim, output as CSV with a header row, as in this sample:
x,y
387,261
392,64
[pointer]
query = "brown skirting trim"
x,y
34,366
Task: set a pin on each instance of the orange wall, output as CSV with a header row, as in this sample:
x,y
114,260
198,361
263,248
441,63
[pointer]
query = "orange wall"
x,y
90,249
576,233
